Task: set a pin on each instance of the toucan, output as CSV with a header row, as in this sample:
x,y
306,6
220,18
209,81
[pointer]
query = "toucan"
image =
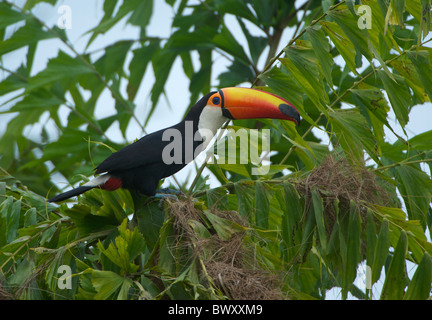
x,y
141,165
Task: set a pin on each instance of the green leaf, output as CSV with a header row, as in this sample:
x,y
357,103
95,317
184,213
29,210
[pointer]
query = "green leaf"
x,y
166,260
10,212
23,273
108,282
396,276
399,96
395,13
371,238
142,13
349,26
59,68
291,226
109,20
226,41
14,81
113,59
421,60
182,42
425,21
322,51
422,141
150,220
245,198
2,188
406,69
37,99
217,197
133,238
162,62
353,133
256,44
138,66
87,222
343,45
9,16
283,85
319,217
114,203
420,285
262,205
224,228
117,252
373,106
303,149
303,67
30,33
238,8
353,256
416,190
381,251
237,73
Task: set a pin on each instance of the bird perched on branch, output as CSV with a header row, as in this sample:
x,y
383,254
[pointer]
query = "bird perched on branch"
x,y
141,165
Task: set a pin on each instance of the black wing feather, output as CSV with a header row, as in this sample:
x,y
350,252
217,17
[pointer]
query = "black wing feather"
x,y
146,150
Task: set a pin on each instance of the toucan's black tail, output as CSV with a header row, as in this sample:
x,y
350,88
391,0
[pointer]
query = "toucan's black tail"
x,y
70,193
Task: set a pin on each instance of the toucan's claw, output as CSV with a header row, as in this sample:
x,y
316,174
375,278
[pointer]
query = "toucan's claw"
x,y
168,191
163,196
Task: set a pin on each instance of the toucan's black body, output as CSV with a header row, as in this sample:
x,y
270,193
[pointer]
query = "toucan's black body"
x,y
141,165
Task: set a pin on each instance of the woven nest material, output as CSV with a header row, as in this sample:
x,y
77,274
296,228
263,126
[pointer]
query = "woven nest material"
x,y
340,183
229,263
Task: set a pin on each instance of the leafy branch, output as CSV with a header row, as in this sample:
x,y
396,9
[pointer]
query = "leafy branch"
x,y
294,39
63,38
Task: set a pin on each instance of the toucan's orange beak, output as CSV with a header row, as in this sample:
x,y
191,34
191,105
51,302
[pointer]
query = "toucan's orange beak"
x,y
245,103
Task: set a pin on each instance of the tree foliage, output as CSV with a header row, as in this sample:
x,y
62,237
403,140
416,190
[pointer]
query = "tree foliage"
x,y
323,209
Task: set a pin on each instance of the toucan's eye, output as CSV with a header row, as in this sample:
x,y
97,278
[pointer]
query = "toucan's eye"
x,y
216,100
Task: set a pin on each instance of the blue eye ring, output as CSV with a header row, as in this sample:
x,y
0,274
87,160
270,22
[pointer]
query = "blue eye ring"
x,y
216,100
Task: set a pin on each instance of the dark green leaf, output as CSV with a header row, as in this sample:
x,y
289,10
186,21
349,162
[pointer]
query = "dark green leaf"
x,y
30,33
262,205
321,47
9,16
344,46
61,67
422,63
226,41
319,217
420,285
399,96
381,251
396,276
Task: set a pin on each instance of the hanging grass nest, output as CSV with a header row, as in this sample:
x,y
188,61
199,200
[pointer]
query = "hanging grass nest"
x,y
226,261
339,183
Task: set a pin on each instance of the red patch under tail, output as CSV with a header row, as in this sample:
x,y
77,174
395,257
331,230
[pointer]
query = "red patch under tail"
x,y
112,184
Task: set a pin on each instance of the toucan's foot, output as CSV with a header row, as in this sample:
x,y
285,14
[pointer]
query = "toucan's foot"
x,y
163,196
168,191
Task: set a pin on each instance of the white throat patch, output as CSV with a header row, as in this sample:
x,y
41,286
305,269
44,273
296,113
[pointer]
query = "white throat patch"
x,y
211,119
